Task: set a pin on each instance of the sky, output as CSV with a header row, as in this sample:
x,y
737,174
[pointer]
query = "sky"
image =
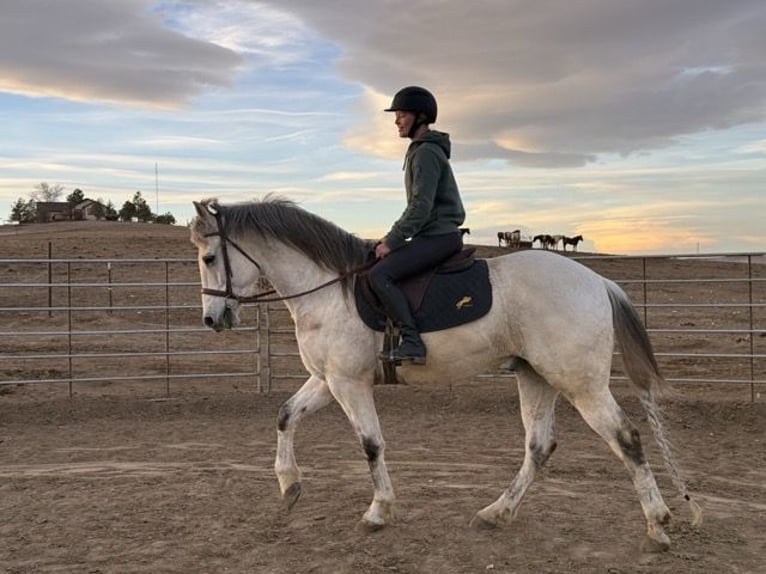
x,y
639,124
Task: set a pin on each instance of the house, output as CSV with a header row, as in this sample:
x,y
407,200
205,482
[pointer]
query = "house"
x,y
48,211
89,209
86,210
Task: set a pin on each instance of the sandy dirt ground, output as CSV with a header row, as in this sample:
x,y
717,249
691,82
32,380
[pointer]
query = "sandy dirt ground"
x,y
116,482
120,478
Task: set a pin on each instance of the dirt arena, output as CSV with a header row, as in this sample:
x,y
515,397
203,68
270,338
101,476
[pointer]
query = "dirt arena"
x,y
121,479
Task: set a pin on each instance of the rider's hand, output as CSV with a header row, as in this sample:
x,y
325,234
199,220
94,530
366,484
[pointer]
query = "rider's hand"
x,y
381,250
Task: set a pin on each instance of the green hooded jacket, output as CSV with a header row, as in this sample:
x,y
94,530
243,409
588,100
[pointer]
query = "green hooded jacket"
x,y
434,206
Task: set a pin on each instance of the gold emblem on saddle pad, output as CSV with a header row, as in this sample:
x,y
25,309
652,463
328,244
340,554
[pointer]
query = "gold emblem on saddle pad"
x,y
464,301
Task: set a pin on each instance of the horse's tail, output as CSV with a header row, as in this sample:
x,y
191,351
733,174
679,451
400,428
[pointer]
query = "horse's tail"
x,y
641,367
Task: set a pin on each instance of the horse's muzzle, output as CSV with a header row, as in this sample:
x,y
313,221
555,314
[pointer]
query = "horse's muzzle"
x,y
228,319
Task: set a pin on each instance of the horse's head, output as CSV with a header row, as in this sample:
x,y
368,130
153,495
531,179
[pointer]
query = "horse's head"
x,y
227,273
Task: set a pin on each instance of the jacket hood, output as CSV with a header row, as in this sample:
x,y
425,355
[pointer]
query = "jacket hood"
x,y
439,138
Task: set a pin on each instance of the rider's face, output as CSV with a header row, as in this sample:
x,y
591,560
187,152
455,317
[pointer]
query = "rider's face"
x,y
404,121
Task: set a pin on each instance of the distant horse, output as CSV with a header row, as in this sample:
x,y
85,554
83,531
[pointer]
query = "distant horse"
x,y
464,231
550,242
546,241
509,237
573,241
555,240
539,300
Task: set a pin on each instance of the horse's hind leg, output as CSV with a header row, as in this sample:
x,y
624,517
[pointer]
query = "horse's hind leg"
x,y
356,399
605,416
312,396
537,400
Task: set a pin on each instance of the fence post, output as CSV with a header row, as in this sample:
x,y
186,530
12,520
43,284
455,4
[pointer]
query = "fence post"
x,y
50,280
752,326
109,285
69,323
643,283
265,347
167,331
258,373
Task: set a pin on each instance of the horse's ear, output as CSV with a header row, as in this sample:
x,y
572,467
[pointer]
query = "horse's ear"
x,y
200,209
206,208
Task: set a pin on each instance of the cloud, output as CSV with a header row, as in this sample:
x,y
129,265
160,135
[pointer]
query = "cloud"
x,y
351,176
552,84
263,34
758,146
632,103
111,51
571,80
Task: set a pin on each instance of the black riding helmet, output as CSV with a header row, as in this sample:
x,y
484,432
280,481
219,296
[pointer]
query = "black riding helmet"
x,y
417,100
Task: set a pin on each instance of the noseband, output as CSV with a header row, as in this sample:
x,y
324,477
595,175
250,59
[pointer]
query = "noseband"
x,y
263,297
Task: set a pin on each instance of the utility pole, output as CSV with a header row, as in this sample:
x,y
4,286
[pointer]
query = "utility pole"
x,y
156,189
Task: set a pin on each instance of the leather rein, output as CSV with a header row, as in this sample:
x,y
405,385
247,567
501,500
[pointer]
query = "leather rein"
x,y
265,296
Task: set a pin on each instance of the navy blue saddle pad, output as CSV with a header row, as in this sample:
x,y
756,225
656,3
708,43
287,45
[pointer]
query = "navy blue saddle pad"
x,y
451,298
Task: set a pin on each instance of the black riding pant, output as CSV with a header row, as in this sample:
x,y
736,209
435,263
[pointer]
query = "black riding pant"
x,y
418,255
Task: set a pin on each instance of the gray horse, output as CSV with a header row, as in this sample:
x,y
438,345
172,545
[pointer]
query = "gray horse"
x,y
539,299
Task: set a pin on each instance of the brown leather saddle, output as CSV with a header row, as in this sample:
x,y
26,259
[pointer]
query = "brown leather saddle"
x,y
415,287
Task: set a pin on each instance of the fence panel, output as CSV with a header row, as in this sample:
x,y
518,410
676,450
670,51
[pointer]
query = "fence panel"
x,y
101,321
706,314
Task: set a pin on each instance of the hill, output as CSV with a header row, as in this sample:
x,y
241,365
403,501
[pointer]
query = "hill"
x,y
95,239
113,239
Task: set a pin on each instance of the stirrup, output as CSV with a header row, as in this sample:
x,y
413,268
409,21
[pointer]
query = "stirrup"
x,y
395,357
387,356
419,360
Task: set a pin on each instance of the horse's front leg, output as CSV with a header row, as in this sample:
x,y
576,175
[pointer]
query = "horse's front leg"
x,y
356,398
312,396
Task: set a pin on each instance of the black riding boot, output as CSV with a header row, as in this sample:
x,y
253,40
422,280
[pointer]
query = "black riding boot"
x,y
398,308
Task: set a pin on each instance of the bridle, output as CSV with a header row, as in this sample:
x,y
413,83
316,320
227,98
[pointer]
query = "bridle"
x,y
265,296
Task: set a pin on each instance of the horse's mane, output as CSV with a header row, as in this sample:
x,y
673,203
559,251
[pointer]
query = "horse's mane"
x,y
283,220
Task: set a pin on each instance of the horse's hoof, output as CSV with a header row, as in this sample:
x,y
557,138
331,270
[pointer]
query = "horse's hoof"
x,y
292,494
478,522
365,525
653,546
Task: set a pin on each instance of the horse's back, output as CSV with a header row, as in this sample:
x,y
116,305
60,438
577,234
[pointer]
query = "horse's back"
x,y
539,272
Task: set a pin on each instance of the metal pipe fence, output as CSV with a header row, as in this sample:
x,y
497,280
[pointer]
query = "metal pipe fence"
x,y
103,321
705,314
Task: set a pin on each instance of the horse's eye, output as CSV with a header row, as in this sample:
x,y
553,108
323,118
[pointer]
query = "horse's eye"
x,y
208,259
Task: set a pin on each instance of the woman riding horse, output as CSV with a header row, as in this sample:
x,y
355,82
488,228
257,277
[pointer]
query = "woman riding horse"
x,y
427,233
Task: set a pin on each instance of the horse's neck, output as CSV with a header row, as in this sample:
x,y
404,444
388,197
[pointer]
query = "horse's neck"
x,y
291,273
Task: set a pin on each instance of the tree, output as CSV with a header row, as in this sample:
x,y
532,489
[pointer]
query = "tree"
x,y
24,210
166,218
137,209
143,211
128,211
45,192
98,210
75,198
110,212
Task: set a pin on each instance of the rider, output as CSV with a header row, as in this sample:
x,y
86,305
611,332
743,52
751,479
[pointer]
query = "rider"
x,y
427,232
